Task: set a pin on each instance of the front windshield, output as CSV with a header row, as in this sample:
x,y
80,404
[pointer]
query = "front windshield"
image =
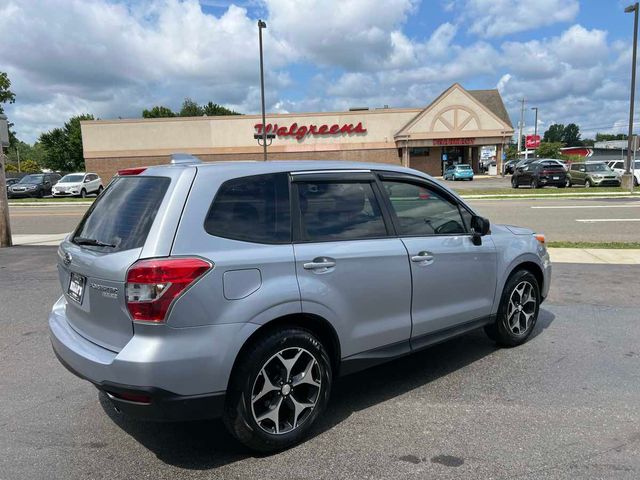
x,y
32,179
72,179
597,167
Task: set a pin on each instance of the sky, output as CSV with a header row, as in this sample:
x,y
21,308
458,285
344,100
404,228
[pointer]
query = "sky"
x,y
571,59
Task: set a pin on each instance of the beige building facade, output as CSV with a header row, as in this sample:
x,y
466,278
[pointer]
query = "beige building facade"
x,y
452,129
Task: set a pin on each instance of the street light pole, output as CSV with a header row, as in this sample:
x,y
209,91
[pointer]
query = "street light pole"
x,y
262,25
627,177
535,125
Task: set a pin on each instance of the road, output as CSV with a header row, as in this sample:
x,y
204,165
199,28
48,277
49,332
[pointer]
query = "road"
x,y
565,405
560,219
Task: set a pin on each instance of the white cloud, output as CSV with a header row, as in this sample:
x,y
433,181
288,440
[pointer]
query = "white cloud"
x,y
497,18
358,34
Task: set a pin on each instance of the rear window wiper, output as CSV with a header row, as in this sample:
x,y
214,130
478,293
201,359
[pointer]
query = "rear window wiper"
x,y
92,242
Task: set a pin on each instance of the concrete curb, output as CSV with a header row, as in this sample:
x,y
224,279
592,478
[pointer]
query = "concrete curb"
x,y
508,196
51,239
595,256
49,204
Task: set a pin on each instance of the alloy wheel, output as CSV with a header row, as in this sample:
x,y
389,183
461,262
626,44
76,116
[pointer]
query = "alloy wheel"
x,y
522,307
286,390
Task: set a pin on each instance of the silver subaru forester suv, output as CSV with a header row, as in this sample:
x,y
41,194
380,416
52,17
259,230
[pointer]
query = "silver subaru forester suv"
x,y
243,289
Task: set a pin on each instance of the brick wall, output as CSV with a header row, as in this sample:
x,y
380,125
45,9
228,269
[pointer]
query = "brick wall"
x,y
107,167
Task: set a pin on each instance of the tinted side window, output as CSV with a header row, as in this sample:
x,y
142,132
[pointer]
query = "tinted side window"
x,y
252,209
422,211
332,211
576,166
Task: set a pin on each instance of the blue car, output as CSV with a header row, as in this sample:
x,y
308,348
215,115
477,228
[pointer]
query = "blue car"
x,y
458,172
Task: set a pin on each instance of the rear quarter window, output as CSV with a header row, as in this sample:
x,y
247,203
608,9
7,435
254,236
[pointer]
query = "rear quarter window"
x,y
123,215
252,209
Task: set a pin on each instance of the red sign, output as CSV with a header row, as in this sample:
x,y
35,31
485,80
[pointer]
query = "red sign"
x,y
299,132
532,141
454,141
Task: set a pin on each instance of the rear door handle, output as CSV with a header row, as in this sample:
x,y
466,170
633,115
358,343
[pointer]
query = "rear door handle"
x,y
423,257
320,264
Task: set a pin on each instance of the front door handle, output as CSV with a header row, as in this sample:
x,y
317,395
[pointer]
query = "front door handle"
x,y
423,257
320,264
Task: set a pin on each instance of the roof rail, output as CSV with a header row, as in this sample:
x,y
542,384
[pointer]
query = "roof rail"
x,y
184,158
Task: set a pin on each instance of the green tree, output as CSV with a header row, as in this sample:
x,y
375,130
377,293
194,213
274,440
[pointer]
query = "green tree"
x,y
6,95
571,135
190,109
158,111
554,133
213,109
24,151
605,137
549,150
63,146
511,152
588,142
29,166
10,168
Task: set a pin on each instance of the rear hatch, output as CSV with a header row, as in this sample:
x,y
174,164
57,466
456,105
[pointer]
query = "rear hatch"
x,y
553,172
94,260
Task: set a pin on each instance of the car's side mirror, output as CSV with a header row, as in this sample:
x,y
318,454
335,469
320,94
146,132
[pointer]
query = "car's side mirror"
x,y
480,227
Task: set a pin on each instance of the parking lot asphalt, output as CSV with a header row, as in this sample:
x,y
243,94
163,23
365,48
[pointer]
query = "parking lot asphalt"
x,y
564,405
579,219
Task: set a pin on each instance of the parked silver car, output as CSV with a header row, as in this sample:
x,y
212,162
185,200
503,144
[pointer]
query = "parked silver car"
x,y
242,289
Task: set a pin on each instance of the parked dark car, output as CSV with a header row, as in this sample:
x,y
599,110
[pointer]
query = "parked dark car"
x,y
510,166
33,185
540,173
11,181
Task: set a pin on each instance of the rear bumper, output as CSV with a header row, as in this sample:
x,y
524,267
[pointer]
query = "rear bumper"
x,y
184,372
162,405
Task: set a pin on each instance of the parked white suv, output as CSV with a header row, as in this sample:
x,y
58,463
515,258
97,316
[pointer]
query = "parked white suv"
x,y
78,185
618,166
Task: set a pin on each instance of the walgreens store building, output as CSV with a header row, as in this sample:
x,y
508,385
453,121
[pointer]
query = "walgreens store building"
x,y
452,129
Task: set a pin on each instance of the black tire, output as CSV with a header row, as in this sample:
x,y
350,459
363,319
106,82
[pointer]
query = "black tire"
x,y
83,193
568,183
562,186
100,188
587,183
635,181
40,194
238,415
500,330
534,183
514,182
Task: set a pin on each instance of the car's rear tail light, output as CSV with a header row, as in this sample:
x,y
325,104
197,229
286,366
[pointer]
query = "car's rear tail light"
x,y
131,171
153,285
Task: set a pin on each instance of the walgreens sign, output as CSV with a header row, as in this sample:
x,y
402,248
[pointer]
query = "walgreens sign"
x,y
302,131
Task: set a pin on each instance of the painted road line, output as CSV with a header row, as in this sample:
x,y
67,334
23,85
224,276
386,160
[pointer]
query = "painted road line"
x,y
593,220
625,205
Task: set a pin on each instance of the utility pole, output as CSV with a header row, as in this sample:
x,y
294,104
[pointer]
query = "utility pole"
x,y
18,155
262,25
535,125
628,177
5,226
521,128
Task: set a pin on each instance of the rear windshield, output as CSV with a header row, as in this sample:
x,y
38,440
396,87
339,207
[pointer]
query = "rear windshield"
x,y
464,167
122,216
